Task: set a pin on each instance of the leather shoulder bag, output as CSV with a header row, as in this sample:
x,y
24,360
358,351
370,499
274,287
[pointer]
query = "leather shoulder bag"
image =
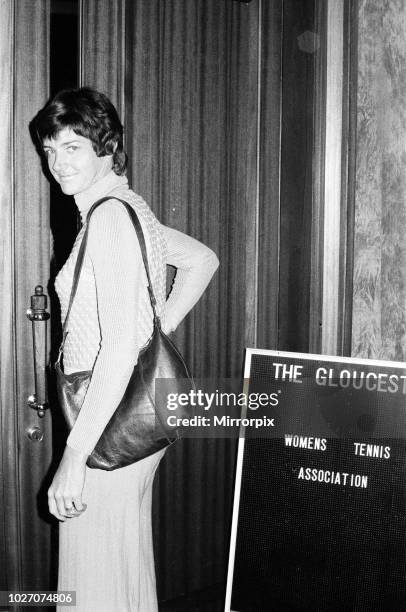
x,y
138,427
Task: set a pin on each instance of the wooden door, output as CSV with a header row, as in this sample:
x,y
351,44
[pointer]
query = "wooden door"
x,y
25,528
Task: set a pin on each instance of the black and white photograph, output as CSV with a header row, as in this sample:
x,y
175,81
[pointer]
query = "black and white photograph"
x,y
203,305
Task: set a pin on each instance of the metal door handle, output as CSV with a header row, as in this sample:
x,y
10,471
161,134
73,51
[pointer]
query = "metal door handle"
x,y
38,315
35,434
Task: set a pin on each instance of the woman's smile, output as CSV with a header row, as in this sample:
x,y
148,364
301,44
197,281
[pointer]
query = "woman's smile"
x,y
73,161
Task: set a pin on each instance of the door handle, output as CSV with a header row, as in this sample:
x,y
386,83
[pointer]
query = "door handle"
x,y
39,316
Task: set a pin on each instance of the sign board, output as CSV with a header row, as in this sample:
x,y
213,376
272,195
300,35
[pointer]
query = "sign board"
x,y
319,518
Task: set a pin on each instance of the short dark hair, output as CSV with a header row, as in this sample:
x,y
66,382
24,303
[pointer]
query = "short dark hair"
x,y
88,113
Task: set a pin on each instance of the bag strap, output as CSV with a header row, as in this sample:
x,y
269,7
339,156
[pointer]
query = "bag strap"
x,y
81,253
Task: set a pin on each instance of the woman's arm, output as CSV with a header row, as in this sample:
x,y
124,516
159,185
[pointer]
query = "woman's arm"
x,y
116,258
195,264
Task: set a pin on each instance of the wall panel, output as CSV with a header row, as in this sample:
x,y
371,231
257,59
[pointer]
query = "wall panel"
x,y
269,174
24,215
9,534
298,63
379,300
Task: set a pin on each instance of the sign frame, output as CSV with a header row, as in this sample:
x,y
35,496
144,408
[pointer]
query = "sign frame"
x,y
371,363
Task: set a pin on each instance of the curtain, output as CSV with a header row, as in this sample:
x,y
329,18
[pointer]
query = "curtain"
x,y
24,218
189,83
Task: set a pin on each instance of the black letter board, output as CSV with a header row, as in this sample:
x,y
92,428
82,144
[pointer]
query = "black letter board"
x,y
319,520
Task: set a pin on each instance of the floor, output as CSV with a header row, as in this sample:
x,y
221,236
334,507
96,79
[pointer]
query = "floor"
x,y
209,600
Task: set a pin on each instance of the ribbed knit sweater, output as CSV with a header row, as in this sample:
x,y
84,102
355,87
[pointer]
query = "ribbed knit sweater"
x,y
111,316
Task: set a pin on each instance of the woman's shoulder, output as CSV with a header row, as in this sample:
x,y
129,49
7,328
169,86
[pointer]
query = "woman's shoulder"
x,y
127,195
108,219
146,215
112,217
113,209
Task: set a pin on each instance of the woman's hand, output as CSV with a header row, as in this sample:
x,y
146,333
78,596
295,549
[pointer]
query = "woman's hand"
x,y
65,492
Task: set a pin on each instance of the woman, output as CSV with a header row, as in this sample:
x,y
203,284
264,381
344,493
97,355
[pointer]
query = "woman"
x,y
105,552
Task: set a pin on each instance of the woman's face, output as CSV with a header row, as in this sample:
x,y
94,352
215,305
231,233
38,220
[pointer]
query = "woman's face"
x,y
73,162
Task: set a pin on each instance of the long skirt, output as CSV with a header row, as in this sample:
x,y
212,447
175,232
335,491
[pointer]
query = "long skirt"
x,y
106,554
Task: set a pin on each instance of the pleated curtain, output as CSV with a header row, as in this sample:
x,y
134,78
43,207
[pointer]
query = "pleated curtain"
x,y
184,75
